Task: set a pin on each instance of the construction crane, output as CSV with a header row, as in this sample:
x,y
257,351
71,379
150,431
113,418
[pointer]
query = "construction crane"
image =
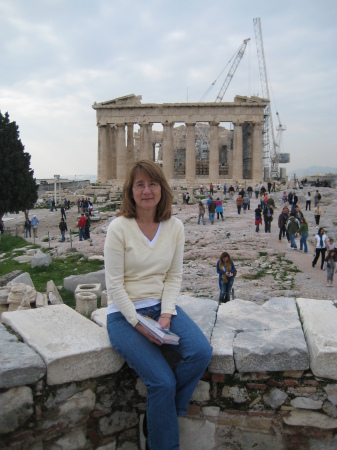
x,y
270,150
232,70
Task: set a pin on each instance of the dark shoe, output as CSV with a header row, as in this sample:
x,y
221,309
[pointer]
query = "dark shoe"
x,y
313,265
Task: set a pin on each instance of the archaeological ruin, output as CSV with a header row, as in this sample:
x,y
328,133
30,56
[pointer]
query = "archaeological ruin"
x,y
190,145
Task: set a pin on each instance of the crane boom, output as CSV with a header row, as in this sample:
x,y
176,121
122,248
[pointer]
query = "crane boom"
x,y
269,147
232,70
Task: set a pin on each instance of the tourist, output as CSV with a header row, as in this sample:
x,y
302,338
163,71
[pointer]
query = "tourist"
x,y
250,191
208,201
257,190
268,217
239,203
218,186
284,197
187,198
28,227
293,225
34,223
226,270
150,242
201,189
321,241
219,209
81,227
211,188
245,203
297,212
211,210
282,221
308,202
274,187
87,226
201,213
63,228
294,201
329,266
258,218
231,192
269,185
303,232
53,206
264,199
317,198
225,189
317,214
184,198
63,213
2,227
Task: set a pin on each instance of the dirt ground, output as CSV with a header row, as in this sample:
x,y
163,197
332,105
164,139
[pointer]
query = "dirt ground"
x,y
250,251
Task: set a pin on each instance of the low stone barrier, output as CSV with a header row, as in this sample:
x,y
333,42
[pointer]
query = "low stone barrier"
x,y
64,386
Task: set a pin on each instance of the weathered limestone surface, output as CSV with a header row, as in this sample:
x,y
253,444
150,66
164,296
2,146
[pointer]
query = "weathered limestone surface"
x,y
319,319
258,338
303,418
41,259
70,283
189,429
93,288
20,364
72,347
23,278
16,406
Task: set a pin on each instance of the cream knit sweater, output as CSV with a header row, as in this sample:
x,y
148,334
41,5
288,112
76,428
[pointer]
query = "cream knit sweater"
x,y
134,270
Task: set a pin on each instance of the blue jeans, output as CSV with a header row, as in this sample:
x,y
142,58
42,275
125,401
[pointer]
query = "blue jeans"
x,y
63,234
225,290
303,242
168,392
81,234
292,241
211,217
203,219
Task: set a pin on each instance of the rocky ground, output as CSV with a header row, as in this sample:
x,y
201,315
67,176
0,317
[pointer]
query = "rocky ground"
x,y
266,266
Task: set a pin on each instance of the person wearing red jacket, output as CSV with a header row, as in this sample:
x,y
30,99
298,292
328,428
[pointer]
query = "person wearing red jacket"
x,y
81,226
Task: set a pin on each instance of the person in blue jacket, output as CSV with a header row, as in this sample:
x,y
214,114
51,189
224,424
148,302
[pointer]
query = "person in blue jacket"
x,y
226,270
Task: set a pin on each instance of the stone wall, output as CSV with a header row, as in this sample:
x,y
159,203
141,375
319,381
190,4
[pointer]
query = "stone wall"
x,y
63,387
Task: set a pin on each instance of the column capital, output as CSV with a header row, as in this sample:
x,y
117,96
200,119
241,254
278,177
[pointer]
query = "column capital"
x,y
239,123
214,124
120,125
190,124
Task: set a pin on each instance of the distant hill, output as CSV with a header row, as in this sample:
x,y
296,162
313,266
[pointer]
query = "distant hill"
x,y
313,170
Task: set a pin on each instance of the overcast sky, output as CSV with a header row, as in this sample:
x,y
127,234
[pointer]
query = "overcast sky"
x,y
60,56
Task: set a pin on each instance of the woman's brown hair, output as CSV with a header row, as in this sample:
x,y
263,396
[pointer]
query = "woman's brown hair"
x,y
154,172
225,255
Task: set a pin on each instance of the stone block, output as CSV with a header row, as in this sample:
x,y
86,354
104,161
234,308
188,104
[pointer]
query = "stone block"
x,y
41,260
196,434
4,293
93,288
53,294
72,347
271,350
86,303
16,407
20,364
99,316
23,278
304,418
222,342
319,318
70,283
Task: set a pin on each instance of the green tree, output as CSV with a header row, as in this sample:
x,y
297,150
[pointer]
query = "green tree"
x,y
18,187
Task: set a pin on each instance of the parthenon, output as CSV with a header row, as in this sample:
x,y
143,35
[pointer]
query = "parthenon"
x,y
232,154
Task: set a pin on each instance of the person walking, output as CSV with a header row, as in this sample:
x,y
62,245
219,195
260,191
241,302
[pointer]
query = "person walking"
x,y
225,189
149,284
317,214
282,221
87,226
258,218
317,198
34,224
329,266
63,228
268,217
201,213
211,210
28,227
308,202
81,227
231,191
304,233
226,270
211,188
239,203
63,213
321,242
219,209
293,225
245,203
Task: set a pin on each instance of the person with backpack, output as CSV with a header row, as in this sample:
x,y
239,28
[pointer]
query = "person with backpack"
x,y
317,198
293,225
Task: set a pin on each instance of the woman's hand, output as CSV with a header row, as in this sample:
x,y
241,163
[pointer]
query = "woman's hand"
x,y
165,322
148,335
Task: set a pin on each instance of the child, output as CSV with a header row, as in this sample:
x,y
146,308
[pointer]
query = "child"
x,y
329,266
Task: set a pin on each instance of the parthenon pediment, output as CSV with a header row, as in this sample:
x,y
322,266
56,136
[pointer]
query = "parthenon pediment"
x,y
127,100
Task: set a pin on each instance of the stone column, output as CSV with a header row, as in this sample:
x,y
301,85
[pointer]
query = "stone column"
x,y
190,169
112,159
213,169
130,146
168,151
121,152
237,152
102,155
257,152
146,150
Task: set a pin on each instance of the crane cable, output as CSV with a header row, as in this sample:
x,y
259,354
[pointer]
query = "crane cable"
x,y
212,85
